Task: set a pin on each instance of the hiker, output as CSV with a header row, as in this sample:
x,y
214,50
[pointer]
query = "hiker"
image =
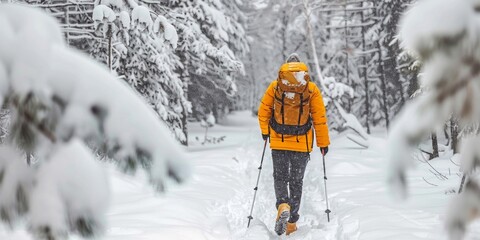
x,y
289,108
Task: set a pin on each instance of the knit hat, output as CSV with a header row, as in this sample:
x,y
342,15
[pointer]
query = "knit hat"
x,y
293,58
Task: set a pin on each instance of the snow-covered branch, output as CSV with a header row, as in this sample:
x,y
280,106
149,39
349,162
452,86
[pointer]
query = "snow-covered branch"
x,y
446,40
63,100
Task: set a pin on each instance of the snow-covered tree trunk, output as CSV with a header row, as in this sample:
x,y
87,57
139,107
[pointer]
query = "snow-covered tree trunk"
x,y
383,86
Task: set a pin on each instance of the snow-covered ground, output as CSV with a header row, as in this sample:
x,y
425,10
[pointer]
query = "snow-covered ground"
x,y
216,202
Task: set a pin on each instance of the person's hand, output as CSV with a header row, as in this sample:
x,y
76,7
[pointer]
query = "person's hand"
x,y
265,137
324,150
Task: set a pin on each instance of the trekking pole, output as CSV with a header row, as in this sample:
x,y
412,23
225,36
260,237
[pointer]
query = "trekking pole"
x,y
325,181
256,186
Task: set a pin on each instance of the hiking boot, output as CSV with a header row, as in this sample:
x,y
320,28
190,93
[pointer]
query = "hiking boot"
x,y
291,227
282,218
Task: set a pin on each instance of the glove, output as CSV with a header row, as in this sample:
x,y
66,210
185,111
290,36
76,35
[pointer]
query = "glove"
x,y
265,137
324,150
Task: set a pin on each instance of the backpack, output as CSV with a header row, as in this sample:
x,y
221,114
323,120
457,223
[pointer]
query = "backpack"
x,y
291,108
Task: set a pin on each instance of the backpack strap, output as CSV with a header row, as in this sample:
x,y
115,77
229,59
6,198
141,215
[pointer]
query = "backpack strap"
x,y
300,112
282,111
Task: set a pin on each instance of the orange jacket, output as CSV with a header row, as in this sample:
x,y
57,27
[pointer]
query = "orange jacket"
x,y
290,143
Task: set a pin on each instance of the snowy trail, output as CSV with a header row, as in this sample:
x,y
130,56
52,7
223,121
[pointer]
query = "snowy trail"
x,y
361,204
215,204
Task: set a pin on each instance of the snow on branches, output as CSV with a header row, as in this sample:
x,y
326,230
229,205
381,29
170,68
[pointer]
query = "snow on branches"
x,y
103,13
170,34
62,101
336,90
447,42
141,18
142,52
16,177
64,190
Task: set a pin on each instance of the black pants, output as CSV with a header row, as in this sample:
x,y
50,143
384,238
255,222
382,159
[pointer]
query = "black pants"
x,y
288,171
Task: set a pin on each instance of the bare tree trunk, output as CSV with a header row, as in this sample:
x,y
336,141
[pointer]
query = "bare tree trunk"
x,y
109,36
365,78
392,72
185,112
462,183
67,23
383,86
285,19
329,22
313,45
454,134
413,86
445,132
252,83
434,146
347,60
184,126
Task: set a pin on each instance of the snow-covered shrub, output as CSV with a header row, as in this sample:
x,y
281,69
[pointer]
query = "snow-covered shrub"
x,y
60,101
447,42
334,91
207,123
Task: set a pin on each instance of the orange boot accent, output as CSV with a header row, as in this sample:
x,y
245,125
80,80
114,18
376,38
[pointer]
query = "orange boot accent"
x,y
282,208
282,218
291,227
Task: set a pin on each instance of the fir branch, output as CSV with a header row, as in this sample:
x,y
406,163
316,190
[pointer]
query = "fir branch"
x,y
453,89
30,118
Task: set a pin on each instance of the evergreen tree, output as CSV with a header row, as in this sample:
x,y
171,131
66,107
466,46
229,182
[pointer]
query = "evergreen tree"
x,y
212,40
390,12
